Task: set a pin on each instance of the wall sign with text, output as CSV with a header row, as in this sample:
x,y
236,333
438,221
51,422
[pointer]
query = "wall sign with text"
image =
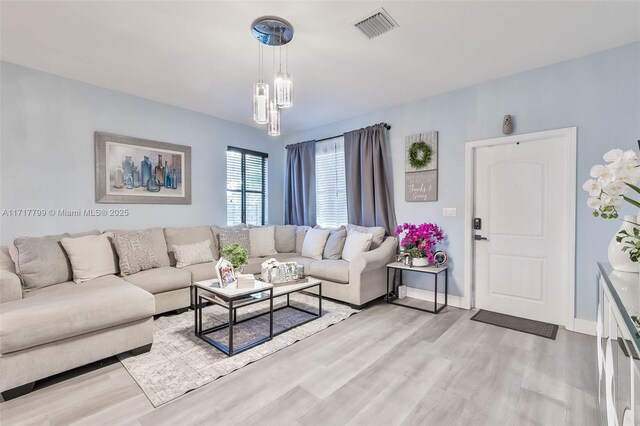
x,y
421,184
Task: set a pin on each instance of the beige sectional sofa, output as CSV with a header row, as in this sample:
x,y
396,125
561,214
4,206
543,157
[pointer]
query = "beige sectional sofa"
x,y
63,325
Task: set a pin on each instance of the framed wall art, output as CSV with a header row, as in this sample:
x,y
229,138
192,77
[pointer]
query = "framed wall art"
x,y
141,171
421,167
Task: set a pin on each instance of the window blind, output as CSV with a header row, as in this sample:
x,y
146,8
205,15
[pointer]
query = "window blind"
x,y
331,186
247,183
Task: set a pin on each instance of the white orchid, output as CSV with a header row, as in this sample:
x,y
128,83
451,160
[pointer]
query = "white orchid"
x,y
592,187
612,181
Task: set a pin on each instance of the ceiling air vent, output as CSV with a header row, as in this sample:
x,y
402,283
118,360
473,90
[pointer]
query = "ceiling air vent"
x,y
377,23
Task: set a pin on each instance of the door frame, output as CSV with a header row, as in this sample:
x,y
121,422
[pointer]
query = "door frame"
x,y
570,135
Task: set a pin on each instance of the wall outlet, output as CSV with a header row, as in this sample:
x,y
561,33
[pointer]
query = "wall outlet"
x,y
449,212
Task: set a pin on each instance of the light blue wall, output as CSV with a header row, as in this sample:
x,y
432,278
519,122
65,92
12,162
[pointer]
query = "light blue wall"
x,y
599,94
47,154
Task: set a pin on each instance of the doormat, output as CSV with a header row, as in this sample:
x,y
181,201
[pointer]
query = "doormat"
x,y
542,329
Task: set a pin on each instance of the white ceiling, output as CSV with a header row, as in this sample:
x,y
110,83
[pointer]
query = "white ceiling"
x,y
201,56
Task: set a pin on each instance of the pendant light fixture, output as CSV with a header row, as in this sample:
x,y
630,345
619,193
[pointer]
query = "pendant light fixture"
x,y
260,95
275,32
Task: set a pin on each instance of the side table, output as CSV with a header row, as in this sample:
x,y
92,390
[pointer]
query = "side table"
x,y
414,303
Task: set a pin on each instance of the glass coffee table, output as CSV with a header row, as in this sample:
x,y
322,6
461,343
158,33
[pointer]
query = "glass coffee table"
x,y
232,298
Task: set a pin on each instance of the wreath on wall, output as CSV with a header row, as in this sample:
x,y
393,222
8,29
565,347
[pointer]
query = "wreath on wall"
x,y
420,154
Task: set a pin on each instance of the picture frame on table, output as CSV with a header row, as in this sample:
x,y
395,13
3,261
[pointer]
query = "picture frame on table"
x,y
225,272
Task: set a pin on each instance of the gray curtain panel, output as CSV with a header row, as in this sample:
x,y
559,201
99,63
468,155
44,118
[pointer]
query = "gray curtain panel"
x,y
300,185
369,201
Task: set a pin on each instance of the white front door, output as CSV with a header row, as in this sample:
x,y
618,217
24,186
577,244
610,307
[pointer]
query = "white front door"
x,y
520,197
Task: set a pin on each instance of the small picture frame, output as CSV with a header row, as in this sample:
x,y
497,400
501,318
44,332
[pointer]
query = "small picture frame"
x,y
225,272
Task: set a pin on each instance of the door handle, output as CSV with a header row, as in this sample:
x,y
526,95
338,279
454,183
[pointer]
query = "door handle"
x,y
480,238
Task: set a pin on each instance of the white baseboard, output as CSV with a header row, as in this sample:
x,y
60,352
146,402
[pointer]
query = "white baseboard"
x,y
584,326
418,293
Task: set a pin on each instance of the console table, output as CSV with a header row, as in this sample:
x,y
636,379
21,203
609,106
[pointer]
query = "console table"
x,y
618,334
413,303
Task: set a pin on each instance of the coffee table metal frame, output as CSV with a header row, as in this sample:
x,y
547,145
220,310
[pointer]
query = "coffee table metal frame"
x,y
236,302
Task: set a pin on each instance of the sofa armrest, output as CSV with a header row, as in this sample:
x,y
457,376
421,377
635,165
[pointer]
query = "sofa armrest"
x,y
10,287
375,259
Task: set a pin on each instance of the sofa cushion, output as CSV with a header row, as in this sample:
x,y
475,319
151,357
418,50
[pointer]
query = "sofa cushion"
x,y
158,243
356,244
216,230
254,266
262,241
285,238
188,235
41,261
314,243
301,232
377,233
91,256
335,244
135,251
67,310
281,257
240,237
201,271
192,254
160,280
331,270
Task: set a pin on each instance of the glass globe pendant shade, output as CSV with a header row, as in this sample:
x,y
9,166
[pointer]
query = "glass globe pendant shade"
x,y
261,103
283,89
274,119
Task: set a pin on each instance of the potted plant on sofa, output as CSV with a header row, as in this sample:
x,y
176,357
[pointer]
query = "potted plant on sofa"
x,y
237,255
419,240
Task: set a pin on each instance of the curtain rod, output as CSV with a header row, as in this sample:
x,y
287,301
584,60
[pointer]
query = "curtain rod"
x,y
386,126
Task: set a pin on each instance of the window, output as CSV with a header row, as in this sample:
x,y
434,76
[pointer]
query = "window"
x,y
246,187
331,186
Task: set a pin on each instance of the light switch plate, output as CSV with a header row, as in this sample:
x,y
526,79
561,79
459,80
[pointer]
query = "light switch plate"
x,y
449,212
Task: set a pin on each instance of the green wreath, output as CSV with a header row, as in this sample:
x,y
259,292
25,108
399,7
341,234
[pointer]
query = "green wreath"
x,y
420,154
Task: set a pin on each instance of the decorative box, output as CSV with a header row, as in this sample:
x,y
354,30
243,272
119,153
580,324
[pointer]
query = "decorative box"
x,y
275,272
402,291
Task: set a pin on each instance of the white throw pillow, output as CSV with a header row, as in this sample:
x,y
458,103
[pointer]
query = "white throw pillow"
x,y
356,244
314,242
262,241
191,254
91,256
378,233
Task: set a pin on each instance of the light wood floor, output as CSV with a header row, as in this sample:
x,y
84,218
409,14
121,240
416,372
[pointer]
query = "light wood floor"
x,y
386,365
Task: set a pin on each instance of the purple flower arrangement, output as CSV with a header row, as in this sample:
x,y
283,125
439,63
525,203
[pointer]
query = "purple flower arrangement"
x,y
419,240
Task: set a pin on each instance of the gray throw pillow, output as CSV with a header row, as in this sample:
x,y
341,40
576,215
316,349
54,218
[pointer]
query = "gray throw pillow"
x,y
286,238
335,244
136,251
234,237
42,261
378,233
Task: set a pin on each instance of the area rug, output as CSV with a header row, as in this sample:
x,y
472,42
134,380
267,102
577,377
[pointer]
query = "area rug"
x,y
543,329
180,362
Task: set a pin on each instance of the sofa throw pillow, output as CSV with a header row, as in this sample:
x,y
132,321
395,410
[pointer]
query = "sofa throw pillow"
x,y
136,251
335,245
91,256
230,237
357,243
41,261
377,232
191,254
285,238
301,232
314,242
262,241
216,230
188,235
